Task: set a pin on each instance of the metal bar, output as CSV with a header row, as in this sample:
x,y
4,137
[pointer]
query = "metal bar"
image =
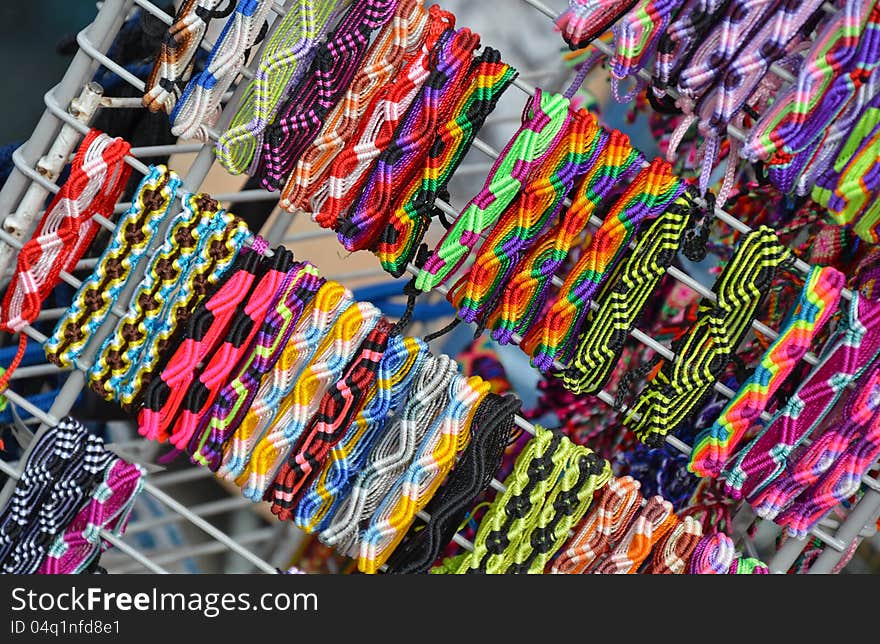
x,y
862,514
202,510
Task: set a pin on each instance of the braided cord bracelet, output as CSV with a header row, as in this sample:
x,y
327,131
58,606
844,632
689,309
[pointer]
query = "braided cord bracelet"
x,y
713,555
407,225
406,152
401,34
847,354
748,566
72,487
393,453
527,291
283,61
234,400
398,368
217,249
831,53
98,175
109,507
844,86
335,64
586,20
340,405
513,513
636,36
545,118
569,500
209,323
552,337
91,304
719,49
602,343
199,105
524,220
189,426
672,552
318,317
816,304
122,349
839,483
653,521
603,527
448,436
176,58
679,386
491,428
807,467
295,411
43,465
350,169
686,31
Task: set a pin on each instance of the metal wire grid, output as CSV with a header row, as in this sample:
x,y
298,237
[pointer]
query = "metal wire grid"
x,y
32,180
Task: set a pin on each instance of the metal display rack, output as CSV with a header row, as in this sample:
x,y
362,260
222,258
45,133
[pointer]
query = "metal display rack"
x,y
37,164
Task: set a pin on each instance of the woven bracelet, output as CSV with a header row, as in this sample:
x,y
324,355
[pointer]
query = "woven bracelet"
x,y
678,387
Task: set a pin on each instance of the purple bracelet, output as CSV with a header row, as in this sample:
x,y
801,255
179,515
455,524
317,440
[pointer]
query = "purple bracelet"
x,y
299,120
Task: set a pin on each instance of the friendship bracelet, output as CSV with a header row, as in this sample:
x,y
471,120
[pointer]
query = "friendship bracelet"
x,y
491,428
448,435
318,317
199,105
210,322
845,86
524,220
393,453
109,508
525,294
337,60
91,304
854,196
407,225
816,304
552,337
679,386
545,118
585,472
176,58
713,555
351,167
43,465
681,38
654,520
602,342
121,350
98,175
408,148
72,487
402,34
748,566
586,20
283,61
715,54
514,512
839,483
636,36
295,411
189,426
217,249
398,368
853,346
235,399
672,552
340,405
606,522
801,473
